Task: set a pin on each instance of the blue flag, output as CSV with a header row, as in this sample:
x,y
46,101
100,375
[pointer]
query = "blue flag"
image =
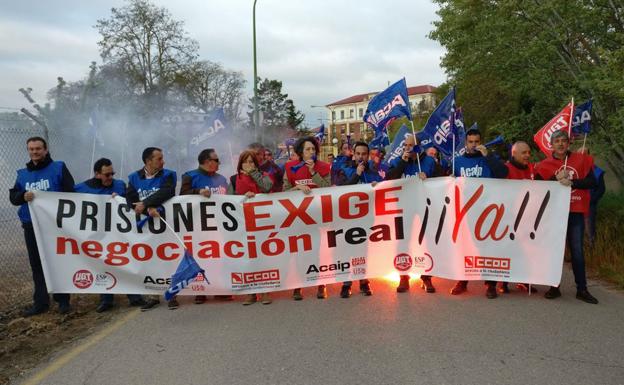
x,y
380,140
581,122
320,134
94,128
396,148
389,104
440,126
498,140
203,132
187,272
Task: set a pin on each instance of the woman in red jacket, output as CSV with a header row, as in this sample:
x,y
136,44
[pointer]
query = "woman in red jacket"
x,y
305,174
249,181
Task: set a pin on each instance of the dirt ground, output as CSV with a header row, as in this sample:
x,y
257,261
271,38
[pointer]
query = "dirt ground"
x,y
26,342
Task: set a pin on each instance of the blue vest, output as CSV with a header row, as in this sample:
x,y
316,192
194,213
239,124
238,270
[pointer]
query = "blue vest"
x,y
476,167
118,187
368,176
217,184
46,179
146,187
427,165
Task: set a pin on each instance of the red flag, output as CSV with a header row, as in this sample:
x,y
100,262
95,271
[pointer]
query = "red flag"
x,y
561,121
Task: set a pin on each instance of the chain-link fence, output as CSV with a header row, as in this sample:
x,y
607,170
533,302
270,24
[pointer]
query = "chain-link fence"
x,y
15,276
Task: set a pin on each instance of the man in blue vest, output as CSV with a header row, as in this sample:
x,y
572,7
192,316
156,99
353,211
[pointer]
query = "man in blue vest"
x,y
359,171
148,188
204,181
407,167
41,174
478,163
103,183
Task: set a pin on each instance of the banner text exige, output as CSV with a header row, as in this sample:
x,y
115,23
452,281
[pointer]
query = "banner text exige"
x,y
455,228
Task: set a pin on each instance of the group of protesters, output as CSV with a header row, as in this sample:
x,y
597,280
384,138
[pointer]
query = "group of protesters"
x,y
256,172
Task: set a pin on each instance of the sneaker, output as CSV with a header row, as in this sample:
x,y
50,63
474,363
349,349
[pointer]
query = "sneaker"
x,y
265,299
138,302
552,293
297,296
104,306
345,292
490,292
403,284
34,310
427,285
584,296
460,287
525,287
365,289
504,288
321,292
150,304
173,304
250,299
199,299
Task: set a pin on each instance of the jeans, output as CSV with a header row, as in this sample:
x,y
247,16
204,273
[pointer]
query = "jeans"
x,y
574,238
40,296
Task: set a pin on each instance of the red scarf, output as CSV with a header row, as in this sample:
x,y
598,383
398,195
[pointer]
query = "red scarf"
x,y
245,183
518,173
303,176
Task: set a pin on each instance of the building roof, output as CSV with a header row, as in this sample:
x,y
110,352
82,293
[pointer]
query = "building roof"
x,y
416,90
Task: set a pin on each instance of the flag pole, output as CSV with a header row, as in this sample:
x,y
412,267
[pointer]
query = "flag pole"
x,y
415,144
565,163
92,156
584,139
453,162
173,232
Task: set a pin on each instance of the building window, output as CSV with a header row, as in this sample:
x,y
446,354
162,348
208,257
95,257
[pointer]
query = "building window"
x,y
333,115
361,112
341,114
350,114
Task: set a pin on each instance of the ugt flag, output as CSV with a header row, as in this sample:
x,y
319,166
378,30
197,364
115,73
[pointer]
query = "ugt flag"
x,y
396,148
391,103
561,121
440,127
581,122
187,272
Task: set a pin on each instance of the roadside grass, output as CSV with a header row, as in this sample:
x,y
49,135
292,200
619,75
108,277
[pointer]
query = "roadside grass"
x,y
606,256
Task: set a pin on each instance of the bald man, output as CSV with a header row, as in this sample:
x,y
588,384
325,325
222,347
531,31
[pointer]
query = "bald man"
x,y
519,167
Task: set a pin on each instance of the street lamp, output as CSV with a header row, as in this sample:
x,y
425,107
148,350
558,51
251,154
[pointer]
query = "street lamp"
x,y
335,143
255,111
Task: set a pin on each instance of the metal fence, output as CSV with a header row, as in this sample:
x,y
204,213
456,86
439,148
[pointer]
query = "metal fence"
x,y
15,276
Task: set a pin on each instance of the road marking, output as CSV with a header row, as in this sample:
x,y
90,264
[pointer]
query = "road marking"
x,y
67,357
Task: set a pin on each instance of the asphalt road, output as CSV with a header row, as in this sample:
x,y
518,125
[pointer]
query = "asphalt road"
x,y
388,338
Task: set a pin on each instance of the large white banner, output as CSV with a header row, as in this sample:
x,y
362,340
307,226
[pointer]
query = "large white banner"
x,y
455,228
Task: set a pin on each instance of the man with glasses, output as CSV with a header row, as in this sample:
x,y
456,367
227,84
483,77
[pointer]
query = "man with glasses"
x,y
103,183
204,181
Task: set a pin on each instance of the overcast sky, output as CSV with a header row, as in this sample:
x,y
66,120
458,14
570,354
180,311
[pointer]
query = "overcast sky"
x,y
322,50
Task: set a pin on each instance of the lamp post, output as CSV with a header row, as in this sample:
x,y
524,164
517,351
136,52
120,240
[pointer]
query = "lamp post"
x,y
335,146
255,111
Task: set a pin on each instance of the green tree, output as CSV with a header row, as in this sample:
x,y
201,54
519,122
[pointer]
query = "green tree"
x,y
278,112
517,63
